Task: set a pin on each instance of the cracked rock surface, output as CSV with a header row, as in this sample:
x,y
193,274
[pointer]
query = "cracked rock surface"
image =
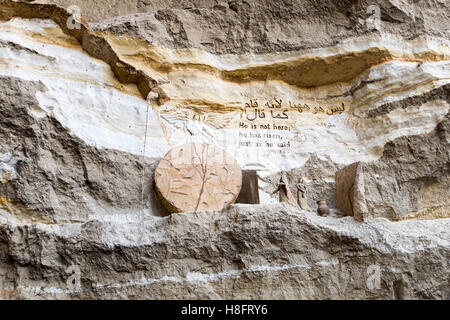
x,y
307,88
245,252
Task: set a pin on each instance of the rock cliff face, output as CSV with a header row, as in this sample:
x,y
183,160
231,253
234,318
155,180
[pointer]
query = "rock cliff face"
x,y
410,180
94,93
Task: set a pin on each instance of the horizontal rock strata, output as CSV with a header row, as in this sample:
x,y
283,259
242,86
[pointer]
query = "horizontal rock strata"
x,y
243,253
90,103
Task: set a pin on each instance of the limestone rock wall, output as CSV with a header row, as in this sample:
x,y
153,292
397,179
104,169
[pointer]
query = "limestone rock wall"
x,y
305,87
245,252
410,180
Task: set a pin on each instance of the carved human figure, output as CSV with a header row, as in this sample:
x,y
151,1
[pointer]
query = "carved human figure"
x,y
285,194
302,198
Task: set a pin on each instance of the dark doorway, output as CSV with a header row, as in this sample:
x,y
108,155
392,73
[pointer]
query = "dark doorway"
x,y
399,290
249,192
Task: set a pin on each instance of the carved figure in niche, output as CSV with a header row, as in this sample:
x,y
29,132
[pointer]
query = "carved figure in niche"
x,y
302,198
285,194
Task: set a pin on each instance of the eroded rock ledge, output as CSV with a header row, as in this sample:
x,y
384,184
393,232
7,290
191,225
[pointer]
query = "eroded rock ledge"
x,y
249,252
95,45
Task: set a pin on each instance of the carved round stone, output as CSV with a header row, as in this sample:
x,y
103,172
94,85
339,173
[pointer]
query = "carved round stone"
x,y
197,177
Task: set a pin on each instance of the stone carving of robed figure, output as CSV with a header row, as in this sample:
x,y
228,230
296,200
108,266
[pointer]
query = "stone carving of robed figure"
x,y
285,194
301,195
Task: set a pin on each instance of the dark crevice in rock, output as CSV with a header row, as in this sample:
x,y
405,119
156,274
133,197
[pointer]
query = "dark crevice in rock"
x,y
18,47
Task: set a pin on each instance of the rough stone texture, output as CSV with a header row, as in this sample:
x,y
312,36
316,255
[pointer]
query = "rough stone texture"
x,y
237,26
74,117
247,252
410,179
440,93
61,178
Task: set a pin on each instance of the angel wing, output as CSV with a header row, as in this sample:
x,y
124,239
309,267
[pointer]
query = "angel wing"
x,y
219,120
175,121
